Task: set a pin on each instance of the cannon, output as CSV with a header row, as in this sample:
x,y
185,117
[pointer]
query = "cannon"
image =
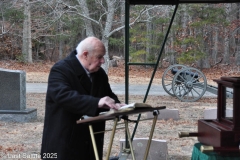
x,y
188,84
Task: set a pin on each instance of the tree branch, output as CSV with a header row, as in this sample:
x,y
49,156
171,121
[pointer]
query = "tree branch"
x,y
217,62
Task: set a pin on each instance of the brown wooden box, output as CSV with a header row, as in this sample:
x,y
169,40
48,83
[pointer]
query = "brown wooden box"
x,y
224,131
213,133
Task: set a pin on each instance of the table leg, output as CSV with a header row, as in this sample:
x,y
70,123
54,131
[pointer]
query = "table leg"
x,y
129,139
93,142
151,134
111,138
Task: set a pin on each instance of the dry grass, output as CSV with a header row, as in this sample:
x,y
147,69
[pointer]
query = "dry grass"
x,y
25,138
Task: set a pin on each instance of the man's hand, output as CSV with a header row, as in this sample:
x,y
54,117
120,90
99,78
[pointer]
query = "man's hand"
x,y
120,104
107,102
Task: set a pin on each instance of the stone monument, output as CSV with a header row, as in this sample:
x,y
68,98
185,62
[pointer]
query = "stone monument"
x,y
13,97
158,149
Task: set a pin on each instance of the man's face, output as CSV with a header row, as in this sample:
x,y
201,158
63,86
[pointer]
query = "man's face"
x,y
95,60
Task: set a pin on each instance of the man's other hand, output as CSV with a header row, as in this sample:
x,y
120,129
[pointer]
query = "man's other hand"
x,y
107,102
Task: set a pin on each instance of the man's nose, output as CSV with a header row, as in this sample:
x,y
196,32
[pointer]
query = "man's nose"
x,y
103,60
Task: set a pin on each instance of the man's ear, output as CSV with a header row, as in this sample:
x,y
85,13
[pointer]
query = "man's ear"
x,y
85,54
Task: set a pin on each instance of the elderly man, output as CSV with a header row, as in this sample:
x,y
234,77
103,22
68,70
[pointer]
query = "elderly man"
x,y
77,86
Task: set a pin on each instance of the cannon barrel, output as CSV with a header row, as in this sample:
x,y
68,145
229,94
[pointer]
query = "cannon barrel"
x,y
187,134
174,71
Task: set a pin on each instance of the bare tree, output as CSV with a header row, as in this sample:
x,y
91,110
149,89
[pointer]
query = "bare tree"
x,y
5,27
27,37
88,23
215,44
149,36
238,39
105,19
226,58
122,20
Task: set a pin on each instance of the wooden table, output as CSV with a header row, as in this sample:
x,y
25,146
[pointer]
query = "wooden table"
x,y
116,116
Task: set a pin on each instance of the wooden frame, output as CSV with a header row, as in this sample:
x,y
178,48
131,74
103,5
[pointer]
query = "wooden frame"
x,y
115,117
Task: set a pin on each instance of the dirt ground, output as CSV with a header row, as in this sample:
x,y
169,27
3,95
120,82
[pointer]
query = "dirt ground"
x,y
23,140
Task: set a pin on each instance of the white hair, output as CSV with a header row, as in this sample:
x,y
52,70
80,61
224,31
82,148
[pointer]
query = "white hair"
x,y
85,45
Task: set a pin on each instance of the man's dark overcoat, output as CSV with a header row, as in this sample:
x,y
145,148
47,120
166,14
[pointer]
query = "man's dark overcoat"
x,y
70,95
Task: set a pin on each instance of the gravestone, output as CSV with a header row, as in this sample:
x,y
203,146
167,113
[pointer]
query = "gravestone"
x,y
158,149
13,97
212,113
165,114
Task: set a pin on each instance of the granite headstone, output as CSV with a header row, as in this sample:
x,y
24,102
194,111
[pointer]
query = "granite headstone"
x,y
212,113
158,149
13,97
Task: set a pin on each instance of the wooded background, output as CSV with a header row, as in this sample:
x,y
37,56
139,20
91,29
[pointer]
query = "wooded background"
x,y
48,30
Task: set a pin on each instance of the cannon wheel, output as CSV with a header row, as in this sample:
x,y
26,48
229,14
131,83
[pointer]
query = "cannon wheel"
x,y
189,84
167,78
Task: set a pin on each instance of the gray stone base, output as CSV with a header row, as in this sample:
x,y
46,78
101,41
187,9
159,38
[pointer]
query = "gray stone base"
x,y
25,115
212,113
158,149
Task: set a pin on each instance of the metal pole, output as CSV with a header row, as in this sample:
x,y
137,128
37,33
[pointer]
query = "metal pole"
x,y
126,58
155,113
126,51
129,139
155,68
93,142
111,138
